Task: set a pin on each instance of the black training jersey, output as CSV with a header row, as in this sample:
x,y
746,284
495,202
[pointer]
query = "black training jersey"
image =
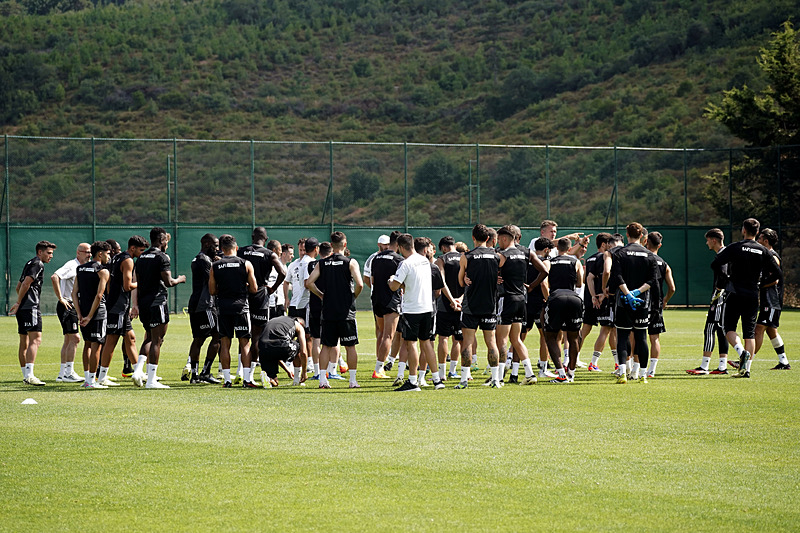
x,y
514,272
384,265
749,263
535,296
230,276
594,266
118,299
314,302
278,331
450,263
562,273
88,280
658,289
339,302
201,299
261,258
150,286
437,284
634,265
612,285
772,296
480,297
35,269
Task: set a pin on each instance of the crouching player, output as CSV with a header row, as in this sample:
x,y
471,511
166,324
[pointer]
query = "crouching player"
x,y
283,339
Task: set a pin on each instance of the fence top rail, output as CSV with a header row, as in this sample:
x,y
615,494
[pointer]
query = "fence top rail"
x,y
369,143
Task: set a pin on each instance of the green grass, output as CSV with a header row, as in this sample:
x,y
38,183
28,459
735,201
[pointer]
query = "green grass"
x,y
692,453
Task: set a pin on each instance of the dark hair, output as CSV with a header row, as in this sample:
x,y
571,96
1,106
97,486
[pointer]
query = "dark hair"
x,y
447,241
770,235
542,243
564,244
259,234
337,239
480,232
302,243
273,245
506,230
421,245
393,236
516,230
601,239
114,244
325,249
44,245
227,242
286,246
617,237
654,239
634,230
405,241
715,233
751,226
99,246
157,235
137,241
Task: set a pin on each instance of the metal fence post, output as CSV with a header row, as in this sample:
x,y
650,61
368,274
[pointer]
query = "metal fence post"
x,y
547,181
8,225
94,197
175,223
686,222
780,202
405,185
730,191
330,185
253,182
478,180
616,194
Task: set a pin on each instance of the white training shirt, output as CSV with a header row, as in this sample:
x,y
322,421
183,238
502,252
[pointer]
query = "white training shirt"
x,y
415,272
298,275
276,298
67,276
553,250
368,269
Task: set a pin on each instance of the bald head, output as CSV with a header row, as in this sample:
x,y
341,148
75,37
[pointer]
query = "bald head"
x,y
84,252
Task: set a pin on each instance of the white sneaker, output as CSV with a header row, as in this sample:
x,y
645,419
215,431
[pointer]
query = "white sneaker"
x,y
651,374
422,383
530,381
108,383
546,374
580,364
93,385
33,380
156,385
186,373
60,378
111,378
139,378
72,378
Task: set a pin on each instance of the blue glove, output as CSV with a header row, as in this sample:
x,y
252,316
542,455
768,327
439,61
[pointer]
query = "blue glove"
x,y
632,301
635,293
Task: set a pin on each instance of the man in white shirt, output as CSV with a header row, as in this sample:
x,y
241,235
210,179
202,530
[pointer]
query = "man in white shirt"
x,y
63,280
414,277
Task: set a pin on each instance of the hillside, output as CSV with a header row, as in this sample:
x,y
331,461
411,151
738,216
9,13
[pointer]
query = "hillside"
x,y
607,72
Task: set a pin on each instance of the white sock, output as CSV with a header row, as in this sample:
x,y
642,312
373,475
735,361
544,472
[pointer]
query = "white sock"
x,y
323,378
297,371
226,374
252,368
739,348
332,369
316,369
378,366
652,368
635,370
615,356
390,359
246,371
474,359
704,363
494,372
401,370
723,360
140,363
239,368
453,366
352,376
509,357
595,357
623,369
69,368
464,373
747,365
501,371
88,376
61,373
341,361
515,368
783,359
441,372
189,361
562,373
566,357
103,373
29,370
151,373
528,368
412,379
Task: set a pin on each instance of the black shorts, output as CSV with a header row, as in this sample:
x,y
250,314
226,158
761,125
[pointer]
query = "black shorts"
x,y
344,332
68,319
301,313
259,307
269,354
94,331
606,315
533,313
118,324
736,306
563,311
627,318
513,311
235,325
484,322
153,316
769,317
655,322
28,321
276,311
314,326
416,326
204,323
589,312
381,311
448,324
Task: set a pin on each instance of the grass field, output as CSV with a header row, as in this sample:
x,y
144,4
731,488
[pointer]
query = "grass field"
x,y
681,453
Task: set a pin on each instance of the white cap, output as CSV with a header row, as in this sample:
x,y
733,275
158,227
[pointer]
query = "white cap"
x,y
383,239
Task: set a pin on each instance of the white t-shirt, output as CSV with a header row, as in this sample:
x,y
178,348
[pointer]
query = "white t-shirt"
x,y
67,276
298,276
415,272
276,298
553,250
368,268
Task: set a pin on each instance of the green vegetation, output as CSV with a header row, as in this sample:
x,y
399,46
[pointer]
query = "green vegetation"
x,y
682,453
